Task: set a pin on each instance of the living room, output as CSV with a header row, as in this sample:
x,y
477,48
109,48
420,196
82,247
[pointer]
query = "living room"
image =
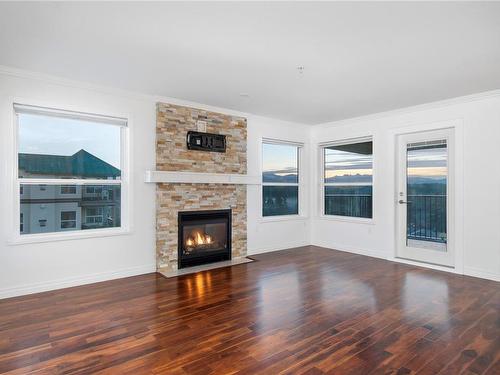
x,y
272,187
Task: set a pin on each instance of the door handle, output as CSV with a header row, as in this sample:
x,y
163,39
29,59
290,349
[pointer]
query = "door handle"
x,y
403,202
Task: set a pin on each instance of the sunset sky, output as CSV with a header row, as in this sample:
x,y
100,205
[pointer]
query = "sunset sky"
x,y
430,162
280,159
341,163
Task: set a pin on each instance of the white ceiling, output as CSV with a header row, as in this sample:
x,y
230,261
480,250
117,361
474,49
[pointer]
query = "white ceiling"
x,y
359,58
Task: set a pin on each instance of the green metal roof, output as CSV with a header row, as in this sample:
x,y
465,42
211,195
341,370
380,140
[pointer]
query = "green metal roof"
x,y
82,164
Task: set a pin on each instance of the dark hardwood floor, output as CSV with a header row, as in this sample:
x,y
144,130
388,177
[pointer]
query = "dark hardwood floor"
x,y
300,311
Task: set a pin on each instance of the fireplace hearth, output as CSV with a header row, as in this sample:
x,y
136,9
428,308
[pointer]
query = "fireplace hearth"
x,y
204,237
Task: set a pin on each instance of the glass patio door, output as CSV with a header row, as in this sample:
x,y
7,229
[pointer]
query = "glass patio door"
x,y
425,182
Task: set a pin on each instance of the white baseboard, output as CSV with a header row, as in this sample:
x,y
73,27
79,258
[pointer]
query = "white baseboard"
x,y
75,281
468,271
475,272
268,249
424,265
350,249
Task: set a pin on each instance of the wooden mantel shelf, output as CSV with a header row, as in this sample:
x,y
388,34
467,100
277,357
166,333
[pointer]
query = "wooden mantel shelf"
x,y
201,178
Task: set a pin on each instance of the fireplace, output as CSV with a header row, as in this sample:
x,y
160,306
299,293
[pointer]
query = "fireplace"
x,y
204,237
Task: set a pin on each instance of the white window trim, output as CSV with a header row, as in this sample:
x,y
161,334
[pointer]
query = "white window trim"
x,y
300,184
322,184
16,237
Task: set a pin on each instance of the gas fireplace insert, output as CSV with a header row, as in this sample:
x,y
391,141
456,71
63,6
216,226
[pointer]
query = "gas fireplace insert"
x,y
204,237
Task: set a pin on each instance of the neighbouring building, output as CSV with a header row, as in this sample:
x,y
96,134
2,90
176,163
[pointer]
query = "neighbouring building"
x,y
49,208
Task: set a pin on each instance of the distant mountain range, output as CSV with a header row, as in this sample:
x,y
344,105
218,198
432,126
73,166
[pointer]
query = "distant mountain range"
x,y
427,180
271,176
356,178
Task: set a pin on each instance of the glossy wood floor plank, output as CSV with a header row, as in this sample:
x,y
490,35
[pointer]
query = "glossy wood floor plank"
x,y
300,311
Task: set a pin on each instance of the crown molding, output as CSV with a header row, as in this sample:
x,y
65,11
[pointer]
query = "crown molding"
x,y
133,95
56,80
412,109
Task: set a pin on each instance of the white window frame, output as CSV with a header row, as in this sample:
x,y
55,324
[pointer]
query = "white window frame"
x,y
299,184
322,184
67,221
123,122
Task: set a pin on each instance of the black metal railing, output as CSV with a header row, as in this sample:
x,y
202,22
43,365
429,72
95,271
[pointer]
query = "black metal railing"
x,y
348,205
426,214
426,218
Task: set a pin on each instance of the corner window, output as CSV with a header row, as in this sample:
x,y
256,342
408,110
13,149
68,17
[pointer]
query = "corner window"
x,y
280,179
347,179
68,163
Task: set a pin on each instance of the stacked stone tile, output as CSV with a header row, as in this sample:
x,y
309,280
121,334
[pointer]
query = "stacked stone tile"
x,y
172,124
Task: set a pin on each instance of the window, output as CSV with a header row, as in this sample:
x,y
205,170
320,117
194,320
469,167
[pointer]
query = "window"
x,y
68,189
63,150
347,179
93,215
21,221
280,179
93,189
68,219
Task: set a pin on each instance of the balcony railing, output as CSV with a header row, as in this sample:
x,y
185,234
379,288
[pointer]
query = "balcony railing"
x,y
426,214
97,197
426,218
348,205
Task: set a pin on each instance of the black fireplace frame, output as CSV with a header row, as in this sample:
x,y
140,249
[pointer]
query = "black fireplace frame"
x,y
208,256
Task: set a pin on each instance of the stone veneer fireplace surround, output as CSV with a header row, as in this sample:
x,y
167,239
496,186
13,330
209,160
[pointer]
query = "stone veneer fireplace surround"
x,y
180,177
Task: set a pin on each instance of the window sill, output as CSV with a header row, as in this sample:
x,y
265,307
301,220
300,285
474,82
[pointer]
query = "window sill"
x,y
271,219
67,236
347,219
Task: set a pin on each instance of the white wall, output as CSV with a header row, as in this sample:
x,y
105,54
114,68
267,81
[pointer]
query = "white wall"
x,y
29,268
478,161
269,234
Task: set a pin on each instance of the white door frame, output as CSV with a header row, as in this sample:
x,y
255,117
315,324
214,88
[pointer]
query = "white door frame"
x,y
403,249
458,205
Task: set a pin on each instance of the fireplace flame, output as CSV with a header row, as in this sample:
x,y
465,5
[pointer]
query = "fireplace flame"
x,y
199,239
